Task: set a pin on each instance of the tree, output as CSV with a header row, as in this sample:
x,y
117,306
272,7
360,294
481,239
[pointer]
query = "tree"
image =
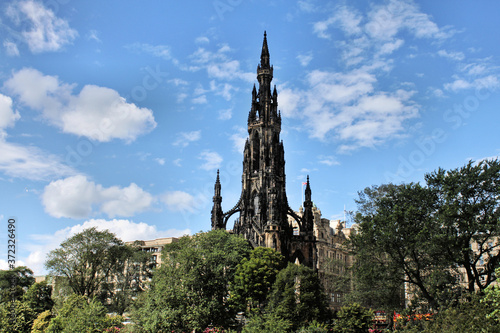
x,y
469,215
39,297
96,264
298,297
16,317
41,322
254,278
189,290
14,283
399,240
353,318
79,315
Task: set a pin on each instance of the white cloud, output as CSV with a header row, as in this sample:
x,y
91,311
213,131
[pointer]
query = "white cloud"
x,y
7,115
200,100
219,65
239,139
97,113
179,201
346,106
185,138
160,51
11,48
160,161
212,160
328,160
46,31
41,244
77,197
225,114
458,56
305,59
490,82
31,163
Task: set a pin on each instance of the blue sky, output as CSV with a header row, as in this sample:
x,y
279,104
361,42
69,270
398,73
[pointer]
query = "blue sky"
x,y
117,114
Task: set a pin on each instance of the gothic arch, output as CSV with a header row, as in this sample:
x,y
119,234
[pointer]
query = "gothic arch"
x,y
298,256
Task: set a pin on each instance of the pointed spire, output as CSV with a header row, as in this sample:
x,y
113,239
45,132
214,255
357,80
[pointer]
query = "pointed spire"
x,y
308,190
217,214
217,186
264,56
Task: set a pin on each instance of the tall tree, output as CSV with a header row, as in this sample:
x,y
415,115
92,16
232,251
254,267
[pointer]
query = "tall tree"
x,y
397,240
469,214
254,278
298,297
189,290
97,264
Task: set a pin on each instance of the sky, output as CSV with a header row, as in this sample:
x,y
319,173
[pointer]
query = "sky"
x,y
118,114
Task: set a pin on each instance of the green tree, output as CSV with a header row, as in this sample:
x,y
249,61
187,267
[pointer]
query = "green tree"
x,y
14,283
79,315
399,242
353,318
254,278
41,322
39,297
16,317
469,215
97,264
189,290
267,322
298,297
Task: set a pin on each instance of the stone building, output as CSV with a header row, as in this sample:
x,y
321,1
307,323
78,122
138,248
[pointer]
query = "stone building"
x,y
265,217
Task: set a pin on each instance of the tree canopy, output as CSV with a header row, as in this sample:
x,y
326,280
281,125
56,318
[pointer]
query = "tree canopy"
x,y
426,236
98,264
255,277
190,289
298,297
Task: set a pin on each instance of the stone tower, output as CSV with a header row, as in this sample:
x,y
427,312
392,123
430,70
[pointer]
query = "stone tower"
x,y
263,206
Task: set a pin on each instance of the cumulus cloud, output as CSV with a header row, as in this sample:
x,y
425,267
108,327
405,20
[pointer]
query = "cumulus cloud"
x,y
97,113
348,107
7,114
44,31
41,244
25,162
239,139
77,197
179,201
212,160
31,163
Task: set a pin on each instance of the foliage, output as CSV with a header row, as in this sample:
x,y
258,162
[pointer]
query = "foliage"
x,y
467,317
267,323
15,317
492,297
78,315
41,322
97,264
39,297
315,327
298,297
189,290
397,237
353,318
469,212
14,282
254,278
